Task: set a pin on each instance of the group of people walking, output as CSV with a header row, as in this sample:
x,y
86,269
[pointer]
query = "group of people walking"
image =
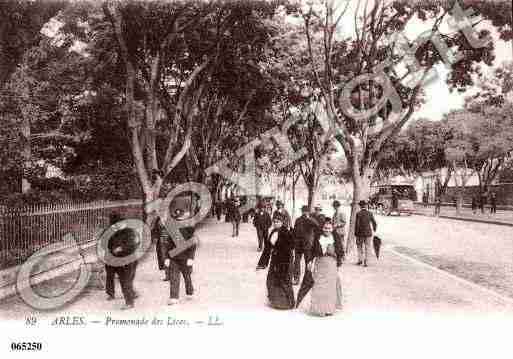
x,y
315,242
318,242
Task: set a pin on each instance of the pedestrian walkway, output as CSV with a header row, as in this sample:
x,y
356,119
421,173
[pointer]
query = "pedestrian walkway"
x,y
226,281
500,218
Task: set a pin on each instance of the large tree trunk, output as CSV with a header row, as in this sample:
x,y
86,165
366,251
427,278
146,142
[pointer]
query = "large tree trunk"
x,y
148,213
312,195
459,200
294,183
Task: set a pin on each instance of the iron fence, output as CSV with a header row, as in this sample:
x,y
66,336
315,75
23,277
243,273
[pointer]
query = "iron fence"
x,y
25,230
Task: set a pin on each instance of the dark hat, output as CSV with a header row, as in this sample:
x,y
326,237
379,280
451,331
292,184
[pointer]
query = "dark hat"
x,y
336,203
305,209
279,203
326,220
362,203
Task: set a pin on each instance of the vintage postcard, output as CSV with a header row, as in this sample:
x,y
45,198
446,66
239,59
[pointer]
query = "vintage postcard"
x,y
240,177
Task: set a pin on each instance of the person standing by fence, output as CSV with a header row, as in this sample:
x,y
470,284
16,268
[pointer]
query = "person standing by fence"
x,y
122,244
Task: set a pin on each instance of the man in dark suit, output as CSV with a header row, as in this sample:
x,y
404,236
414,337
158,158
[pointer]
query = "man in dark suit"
x,y
179,264
159,236
122,243
493,203
218,207
365,226
304,231
317,216
482,202
262,222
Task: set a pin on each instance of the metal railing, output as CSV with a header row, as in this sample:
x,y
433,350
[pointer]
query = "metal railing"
x,y
25,230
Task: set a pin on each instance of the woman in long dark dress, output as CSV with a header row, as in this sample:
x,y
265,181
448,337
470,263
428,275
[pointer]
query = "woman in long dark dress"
x,y
279,277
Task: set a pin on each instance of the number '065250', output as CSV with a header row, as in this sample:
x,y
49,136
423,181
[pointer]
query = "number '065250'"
x,y
26,346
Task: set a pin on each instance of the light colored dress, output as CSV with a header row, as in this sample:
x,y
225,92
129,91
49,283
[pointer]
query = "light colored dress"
x,y
326,295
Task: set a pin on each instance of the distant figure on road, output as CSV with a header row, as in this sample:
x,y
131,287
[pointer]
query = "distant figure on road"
x,y
482,202
395,201
438,205
493,203
365,226
282,213
122,243
262,222
181,263
474,205
234,216
339,221
304,232
218,209
279,279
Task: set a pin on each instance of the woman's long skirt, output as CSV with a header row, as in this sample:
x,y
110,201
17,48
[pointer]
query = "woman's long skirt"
x,y
279,289
327,290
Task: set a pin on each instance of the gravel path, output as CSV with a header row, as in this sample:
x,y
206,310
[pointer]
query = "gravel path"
x,y
227,282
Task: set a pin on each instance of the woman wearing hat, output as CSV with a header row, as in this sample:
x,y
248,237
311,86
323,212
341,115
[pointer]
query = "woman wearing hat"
x,y
279,277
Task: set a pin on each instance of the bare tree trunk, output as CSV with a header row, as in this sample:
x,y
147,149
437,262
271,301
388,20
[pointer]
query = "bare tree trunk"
x,y
27,156
294,183
311,196
361,191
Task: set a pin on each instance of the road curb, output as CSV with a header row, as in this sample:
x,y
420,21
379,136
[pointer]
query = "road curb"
x,y
505,299
498,223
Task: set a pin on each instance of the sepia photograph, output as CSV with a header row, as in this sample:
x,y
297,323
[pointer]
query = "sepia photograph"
x,y
243,178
